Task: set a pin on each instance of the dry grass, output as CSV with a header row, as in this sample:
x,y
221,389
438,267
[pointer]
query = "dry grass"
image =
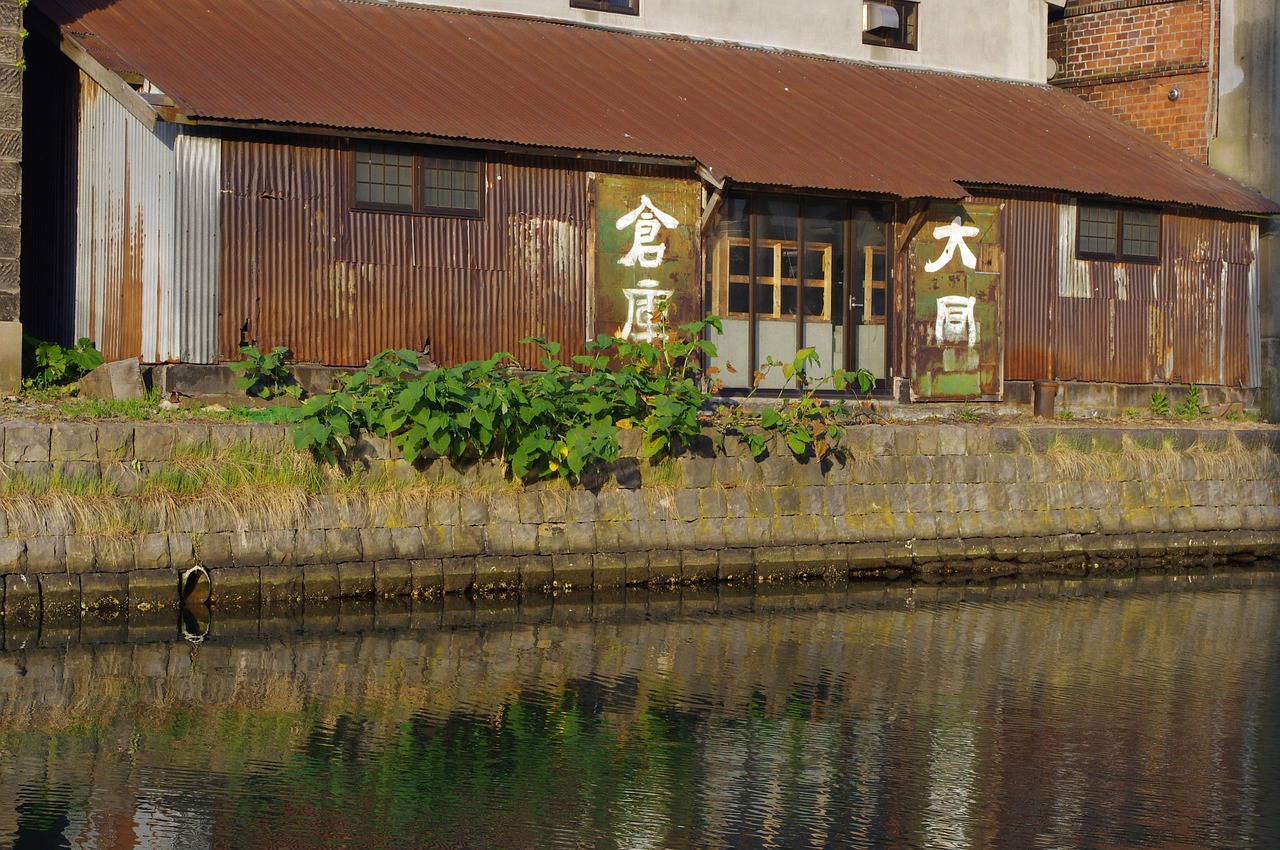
x,y
1073,462
1133,461
242,480
1234,461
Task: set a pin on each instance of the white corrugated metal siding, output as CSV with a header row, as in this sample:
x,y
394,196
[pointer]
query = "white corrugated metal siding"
x,y
147,235
194,318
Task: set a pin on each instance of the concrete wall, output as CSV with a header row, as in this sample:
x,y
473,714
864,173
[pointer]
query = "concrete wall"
x,y
1247,148
995,38
929,498
11,38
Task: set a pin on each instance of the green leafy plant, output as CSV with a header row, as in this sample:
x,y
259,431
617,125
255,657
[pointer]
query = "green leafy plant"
x,y
48,364
967,414
802,423
265,375
1066,413
552,422
562,418
1160,403
1190,407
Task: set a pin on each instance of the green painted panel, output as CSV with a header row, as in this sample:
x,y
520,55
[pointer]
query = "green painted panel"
x,y
646,252
954,320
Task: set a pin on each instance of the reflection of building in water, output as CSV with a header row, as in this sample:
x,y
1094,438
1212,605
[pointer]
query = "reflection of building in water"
x,y
1010,724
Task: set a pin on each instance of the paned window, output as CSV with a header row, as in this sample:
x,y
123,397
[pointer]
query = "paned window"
x,y
625,7
889,23
1118,233
399,178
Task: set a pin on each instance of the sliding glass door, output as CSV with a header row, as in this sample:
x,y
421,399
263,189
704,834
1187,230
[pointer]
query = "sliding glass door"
x,y
786,273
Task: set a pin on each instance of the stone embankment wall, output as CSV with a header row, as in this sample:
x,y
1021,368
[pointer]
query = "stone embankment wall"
x,y
921,498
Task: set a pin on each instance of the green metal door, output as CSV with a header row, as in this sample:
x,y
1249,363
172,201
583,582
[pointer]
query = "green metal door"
x,y
645,243
954,312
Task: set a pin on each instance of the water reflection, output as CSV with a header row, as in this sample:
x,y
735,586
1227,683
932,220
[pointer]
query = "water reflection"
x,y
1099,717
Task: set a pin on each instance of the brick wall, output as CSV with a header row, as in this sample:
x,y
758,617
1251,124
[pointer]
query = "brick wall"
x,y
1125,56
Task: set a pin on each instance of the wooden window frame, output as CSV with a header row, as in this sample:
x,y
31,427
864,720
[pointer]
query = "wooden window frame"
x,y
908,37
1118,252
776,282
632,7
419,154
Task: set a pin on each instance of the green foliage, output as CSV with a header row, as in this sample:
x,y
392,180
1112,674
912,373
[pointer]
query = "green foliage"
x,y
1190,406
265,375
1160,403
559,420
802,423
1065,413
47,364
549,423
967,414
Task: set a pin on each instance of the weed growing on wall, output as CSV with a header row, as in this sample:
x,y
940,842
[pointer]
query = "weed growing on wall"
x,y
554,422
264,374
47,365
1160,403
1190,406
802,423
546,423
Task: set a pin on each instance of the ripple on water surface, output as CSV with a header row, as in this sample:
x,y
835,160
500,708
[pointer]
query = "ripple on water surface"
x,y
890,717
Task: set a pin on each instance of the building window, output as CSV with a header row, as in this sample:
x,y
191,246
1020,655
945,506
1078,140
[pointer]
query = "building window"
x,y
399,178
785,273
889,23
624,7
1118,233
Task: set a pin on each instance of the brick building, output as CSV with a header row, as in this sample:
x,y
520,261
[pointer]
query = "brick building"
x,y
1152,63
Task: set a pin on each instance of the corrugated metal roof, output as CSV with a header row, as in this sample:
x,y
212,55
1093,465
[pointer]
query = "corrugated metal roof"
x,y
756,116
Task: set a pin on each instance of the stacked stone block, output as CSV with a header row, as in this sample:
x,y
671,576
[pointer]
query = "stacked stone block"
x,y
931,499
11,39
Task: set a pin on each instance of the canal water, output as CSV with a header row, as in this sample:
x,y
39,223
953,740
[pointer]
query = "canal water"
x,y
1137,710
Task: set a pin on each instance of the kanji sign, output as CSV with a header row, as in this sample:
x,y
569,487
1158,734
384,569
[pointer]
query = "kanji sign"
x,y
646,269
954,304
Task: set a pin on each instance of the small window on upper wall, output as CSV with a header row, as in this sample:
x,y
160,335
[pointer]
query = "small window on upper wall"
x,y
401,178
1118,233
625,7
889,23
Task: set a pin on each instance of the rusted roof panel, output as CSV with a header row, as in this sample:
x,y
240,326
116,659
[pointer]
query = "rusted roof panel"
x,y
756,116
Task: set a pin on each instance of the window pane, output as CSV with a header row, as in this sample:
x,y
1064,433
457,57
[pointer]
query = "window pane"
x,y
1141,233
451,183
824,228
383,174
764,298
1097,231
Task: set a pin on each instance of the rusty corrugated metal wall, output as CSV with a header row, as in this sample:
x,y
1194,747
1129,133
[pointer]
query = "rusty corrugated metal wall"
x,y
1031,260
299,268
1184,319
125,206
146,255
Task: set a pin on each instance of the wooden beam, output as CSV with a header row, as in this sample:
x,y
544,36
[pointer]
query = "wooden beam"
x,y
110,81
713,204
914,221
